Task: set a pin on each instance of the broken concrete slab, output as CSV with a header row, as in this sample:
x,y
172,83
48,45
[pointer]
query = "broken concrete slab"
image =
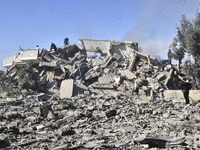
x,y
80,89
8,62
66,89
128,74
194,95
132,62
106,79
122,48
147,58
49,64
30,54
68,50
129,129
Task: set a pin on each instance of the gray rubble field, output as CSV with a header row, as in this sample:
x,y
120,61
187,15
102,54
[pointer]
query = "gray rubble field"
x,y
91,122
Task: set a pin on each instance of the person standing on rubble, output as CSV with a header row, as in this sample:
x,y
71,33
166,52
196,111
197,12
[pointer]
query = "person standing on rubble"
x,y
169,57
135,88
53,47
66,41
185,86
37,47
56,84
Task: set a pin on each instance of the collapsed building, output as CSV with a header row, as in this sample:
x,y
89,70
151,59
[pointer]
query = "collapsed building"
x,y
92,108
96,73
100,67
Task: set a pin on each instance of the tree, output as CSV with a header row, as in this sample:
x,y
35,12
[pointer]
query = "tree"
x,y
193,39
187,40
180,43
178,47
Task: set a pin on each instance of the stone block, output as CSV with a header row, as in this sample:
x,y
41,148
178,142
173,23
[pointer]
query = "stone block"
x,y
66,89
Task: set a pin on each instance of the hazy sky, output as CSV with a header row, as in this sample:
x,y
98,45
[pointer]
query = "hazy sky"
x,y
151,23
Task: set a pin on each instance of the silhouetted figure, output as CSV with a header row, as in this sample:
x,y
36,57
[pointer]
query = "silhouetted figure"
x,y
20,48
135,88
169,56
53,47
185,86
162,93
66,41
37,47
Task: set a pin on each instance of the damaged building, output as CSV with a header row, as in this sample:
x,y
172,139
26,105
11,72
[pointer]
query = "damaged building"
x,y
94,67
88,102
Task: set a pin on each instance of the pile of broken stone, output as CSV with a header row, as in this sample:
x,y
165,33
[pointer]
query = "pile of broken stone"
x,y
97,122
93,107
110,69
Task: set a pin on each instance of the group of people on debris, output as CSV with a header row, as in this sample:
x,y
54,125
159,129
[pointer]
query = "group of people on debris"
x,y
184,85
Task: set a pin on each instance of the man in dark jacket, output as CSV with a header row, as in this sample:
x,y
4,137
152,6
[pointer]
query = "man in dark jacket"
x,y
53,47
185,87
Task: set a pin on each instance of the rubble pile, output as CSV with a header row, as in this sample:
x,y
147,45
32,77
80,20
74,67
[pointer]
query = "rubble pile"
x,y
87,100
110,70
91,122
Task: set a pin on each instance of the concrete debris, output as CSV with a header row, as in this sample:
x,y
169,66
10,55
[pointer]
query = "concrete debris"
x,y
65,98
128,74
66,89
106,79
88,121
161,142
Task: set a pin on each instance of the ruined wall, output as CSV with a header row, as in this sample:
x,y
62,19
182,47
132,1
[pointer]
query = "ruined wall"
x,y
123,48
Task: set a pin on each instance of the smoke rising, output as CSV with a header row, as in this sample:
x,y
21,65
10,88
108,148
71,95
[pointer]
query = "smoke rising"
x,y
152,29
